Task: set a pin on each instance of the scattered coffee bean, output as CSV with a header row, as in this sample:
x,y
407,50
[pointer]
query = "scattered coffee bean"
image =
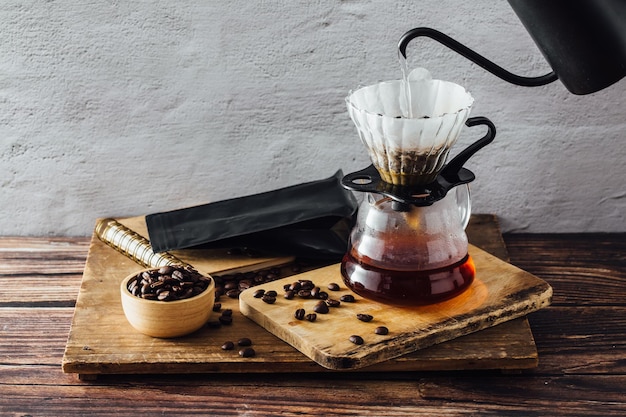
x,y
244,284
289,295
307,285
348,298
334,286
295,287
300,314
304,294
315,292
241,281
247,352
311,317
244,341
258,293
381,330
356,339
333,303
228,345
322,295
168,283
321,307
227,312
226,320
231,285
268,299
364,317
271,293
234,293
214,324
217,306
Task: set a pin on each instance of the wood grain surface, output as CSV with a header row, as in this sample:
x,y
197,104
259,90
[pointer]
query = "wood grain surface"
x,y
101,341
580,339
501,292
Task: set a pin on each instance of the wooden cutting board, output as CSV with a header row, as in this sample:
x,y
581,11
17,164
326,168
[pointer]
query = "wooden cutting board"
x,y
500,292
102,342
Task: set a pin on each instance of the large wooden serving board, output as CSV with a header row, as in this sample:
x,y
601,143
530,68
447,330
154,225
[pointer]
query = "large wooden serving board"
x,y
500,292
102,342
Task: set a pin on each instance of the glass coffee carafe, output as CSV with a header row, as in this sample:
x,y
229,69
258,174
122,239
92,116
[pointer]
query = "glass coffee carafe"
x,y
408,246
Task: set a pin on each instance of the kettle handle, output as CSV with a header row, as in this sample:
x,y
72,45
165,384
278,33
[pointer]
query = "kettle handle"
x,y
452,168
473,56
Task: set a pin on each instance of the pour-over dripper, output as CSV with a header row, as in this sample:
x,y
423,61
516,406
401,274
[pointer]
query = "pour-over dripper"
x,y
408,127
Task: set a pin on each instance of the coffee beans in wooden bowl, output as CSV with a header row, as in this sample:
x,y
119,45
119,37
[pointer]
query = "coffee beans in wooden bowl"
x,y
166,302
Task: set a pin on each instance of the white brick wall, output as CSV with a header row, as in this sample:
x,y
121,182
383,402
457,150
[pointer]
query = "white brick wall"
x,y
115,108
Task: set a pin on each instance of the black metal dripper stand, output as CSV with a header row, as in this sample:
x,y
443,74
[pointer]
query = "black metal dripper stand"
x,y
453,174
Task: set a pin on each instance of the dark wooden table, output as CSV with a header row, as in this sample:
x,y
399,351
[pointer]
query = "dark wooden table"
x,y
581,340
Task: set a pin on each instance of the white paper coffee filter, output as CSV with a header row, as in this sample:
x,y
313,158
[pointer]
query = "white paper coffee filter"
x,y
439,110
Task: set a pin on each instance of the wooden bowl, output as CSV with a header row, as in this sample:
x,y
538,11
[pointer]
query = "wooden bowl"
x,y
167,319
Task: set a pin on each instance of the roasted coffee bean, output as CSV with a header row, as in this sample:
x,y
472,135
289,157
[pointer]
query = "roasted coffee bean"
x,y
230,286
163,295
334,286
227,312
217,306
296,286
307,285
333,303
300,314
322,295
166,270
356,339
145,289
158,284
289,295
247,352
382,330
218,293
243,281
348,298
258,293
214,324
315,292
304,294
244,284
188,293
228,345
168,283
271,293
321,308
244,341
364,317
311,317
234,293
226,320
268,299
